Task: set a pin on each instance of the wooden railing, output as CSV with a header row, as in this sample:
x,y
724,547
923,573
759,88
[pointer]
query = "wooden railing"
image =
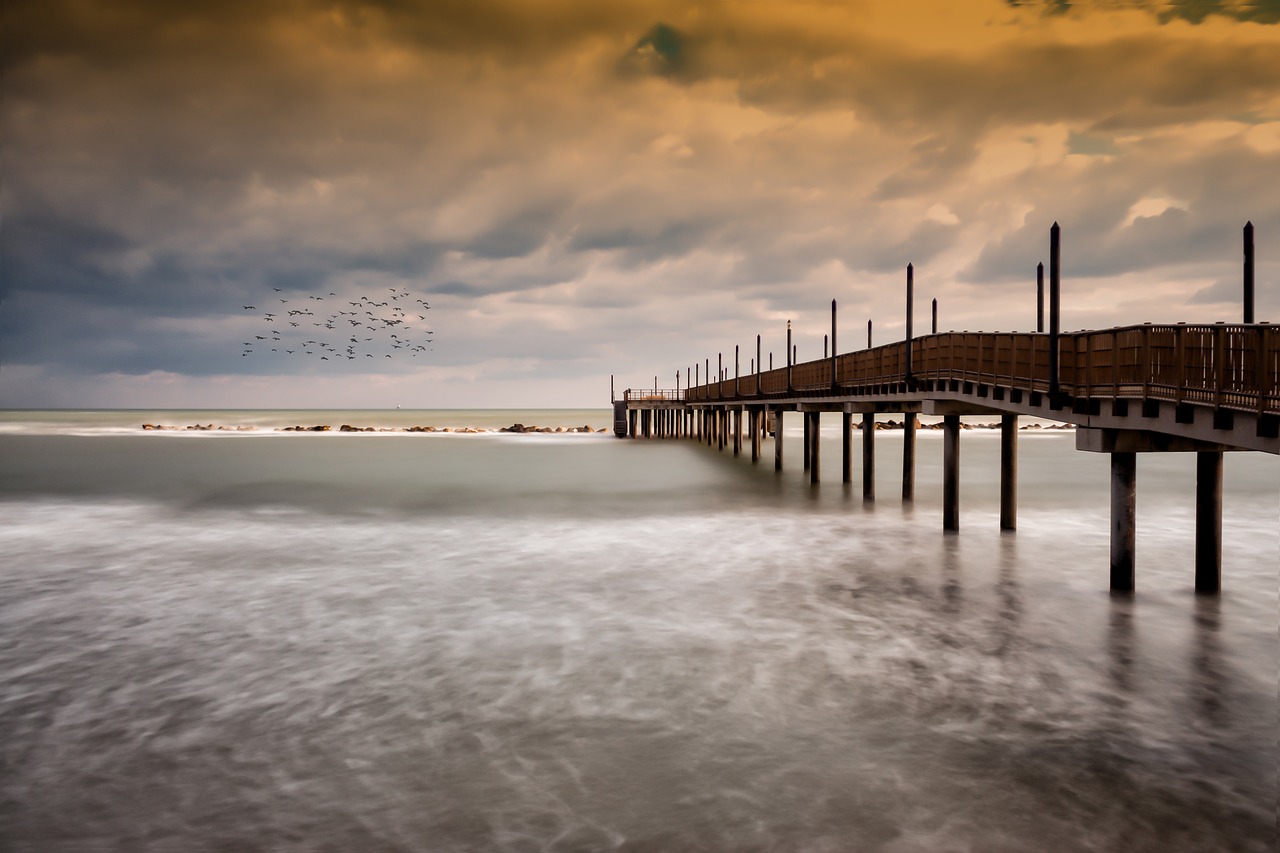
x,y
652,395
1224,366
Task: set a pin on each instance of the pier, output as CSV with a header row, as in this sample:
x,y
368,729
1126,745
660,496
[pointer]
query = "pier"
x,y
1182,388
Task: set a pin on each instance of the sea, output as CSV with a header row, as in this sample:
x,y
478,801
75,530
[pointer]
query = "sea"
x,y
391,641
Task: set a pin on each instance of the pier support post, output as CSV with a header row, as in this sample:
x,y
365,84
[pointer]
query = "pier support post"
x,y
909,457
754,426
737,430
951,473
868,457
777,440
1208,521
815,445
1008,472
631,423
722,426
804,417
846,446
1124,470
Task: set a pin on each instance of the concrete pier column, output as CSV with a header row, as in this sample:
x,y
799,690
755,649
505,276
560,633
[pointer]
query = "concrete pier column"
x,y
754,426
646,421
868,457
951,473
1008,472
1208,521
846,446
722,426
631,423
815,445
1124,491
777,440
909,457
737,431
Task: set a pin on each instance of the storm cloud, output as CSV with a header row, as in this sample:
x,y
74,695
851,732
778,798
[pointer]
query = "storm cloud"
x,y
583,189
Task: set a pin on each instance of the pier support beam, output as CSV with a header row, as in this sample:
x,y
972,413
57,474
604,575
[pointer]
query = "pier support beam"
x,y
737,431
846,446
777,440
1208,521
1008,472
754,426
909,456
815,445
1124,490
631,422
868,456
951,473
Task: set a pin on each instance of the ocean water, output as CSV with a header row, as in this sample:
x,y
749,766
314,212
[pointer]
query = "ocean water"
x,y
391,641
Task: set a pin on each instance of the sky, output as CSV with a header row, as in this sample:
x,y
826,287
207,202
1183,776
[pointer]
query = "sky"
x,y
580,190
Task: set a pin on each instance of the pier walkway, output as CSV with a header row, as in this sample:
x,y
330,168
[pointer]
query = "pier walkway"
x,y
1206,389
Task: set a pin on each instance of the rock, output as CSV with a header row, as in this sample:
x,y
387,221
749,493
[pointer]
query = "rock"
x,y
348,428
148,426
320,429
602,430
559,429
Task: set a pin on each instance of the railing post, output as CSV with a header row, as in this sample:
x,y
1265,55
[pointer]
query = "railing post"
x,y
737,390
935,317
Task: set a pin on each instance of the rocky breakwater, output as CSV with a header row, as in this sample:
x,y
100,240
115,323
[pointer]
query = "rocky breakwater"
x,y
523,428
200,427
892,424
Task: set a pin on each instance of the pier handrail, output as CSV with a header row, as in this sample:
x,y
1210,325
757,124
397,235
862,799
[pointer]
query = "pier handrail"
x,y
1218,365
645,395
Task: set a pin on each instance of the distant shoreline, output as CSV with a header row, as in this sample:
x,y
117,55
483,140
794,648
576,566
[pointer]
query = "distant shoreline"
x,y
518,429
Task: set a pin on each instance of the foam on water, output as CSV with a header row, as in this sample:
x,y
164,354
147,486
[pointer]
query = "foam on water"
x,y
612,646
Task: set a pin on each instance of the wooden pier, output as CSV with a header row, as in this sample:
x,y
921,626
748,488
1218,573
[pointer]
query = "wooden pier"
x,y
1203,389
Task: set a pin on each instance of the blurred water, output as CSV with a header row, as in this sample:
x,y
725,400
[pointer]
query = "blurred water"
x,y
581,643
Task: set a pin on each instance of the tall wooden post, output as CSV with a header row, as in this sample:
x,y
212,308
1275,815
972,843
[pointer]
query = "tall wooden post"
x,y
1055,304
815,446
846,446
737,431
611,397
719,375
1008,472
935,317
868,334
1208,521
722,426
1040,297
777,438
833,345
868,456
910,317
909,456
754,426
1124,470
1248,272
788,356
951,473
737,390
759,365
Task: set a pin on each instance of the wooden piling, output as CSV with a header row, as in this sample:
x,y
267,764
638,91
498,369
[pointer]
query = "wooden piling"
x,y
951,473
807,445
754,426
1208,521
910,319
631,422
846,446
1008,472
815,445
1124,469
737,430
909,455
868,457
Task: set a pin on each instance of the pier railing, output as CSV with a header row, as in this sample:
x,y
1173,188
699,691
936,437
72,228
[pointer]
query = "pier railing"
x,y
1224,366
652,395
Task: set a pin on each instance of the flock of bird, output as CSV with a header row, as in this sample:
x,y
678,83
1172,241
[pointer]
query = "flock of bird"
x,y
362,329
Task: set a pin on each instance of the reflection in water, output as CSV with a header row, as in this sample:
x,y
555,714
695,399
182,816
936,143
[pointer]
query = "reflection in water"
x,y
1120,647
1209,680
